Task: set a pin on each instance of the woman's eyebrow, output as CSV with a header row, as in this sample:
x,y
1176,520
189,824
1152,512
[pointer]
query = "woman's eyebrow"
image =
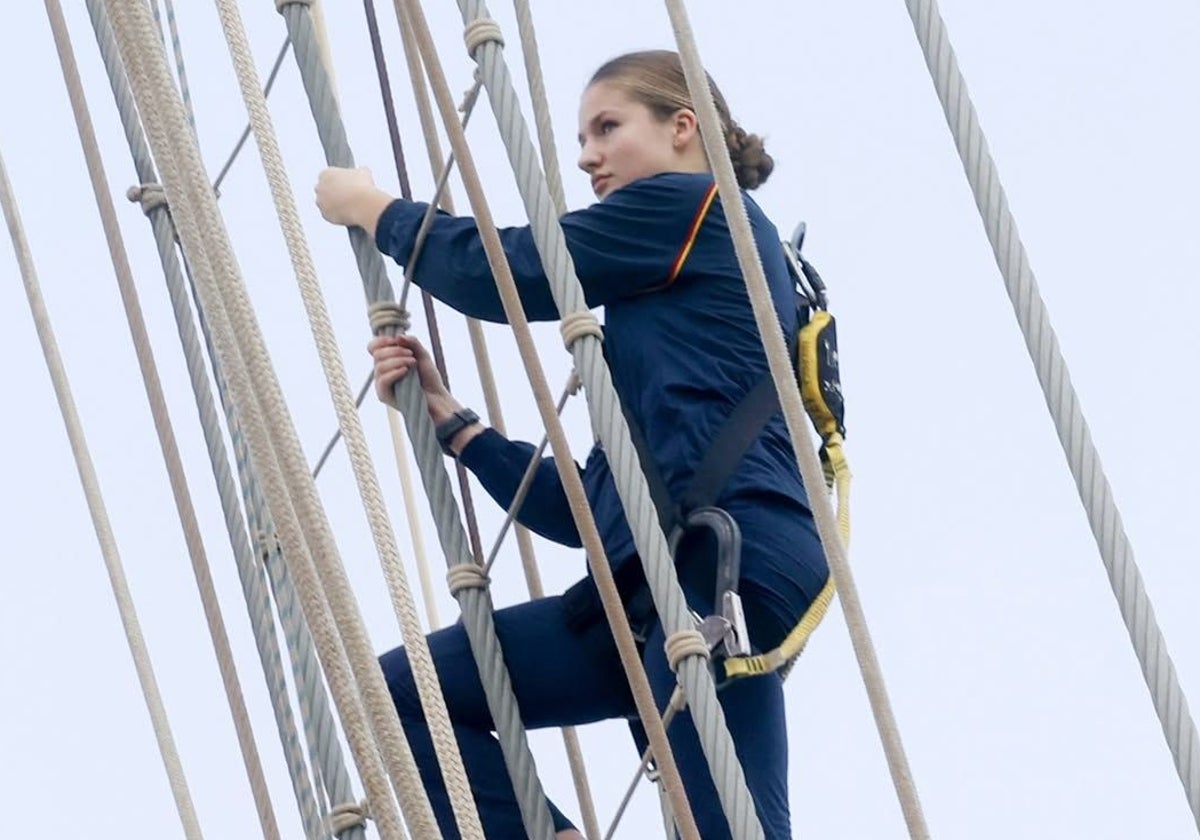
x,y
599,117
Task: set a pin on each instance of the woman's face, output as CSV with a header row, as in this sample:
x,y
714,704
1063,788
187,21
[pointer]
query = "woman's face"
x,y
622,140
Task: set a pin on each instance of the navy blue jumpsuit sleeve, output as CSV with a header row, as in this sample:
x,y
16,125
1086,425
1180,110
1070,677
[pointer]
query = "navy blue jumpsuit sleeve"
x,y
500,463
625,245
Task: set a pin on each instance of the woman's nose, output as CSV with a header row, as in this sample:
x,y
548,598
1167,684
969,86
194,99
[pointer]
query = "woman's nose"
x,y
588,159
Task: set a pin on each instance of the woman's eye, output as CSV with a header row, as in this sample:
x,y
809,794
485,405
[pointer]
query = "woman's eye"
x,y
607,126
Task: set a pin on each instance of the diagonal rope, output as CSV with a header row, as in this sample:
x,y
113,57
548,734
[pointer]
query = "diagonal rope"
x,y
1074,434
429,688
491,396
308,547
789,398
594,373
162,423
100,521
319,726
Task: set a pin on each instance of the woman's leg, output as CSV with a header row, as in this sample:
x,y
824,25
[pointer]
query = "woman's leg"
x,y
560,677
754,713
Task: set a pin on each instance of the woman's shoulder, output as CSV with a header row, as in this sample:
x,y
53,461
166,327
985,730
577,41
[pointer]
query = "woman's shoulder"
x,y
665,186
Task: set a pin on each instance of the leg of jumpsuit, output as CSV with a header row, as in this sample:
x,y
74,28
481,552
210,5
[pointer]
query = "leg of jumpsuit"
x,y
560,678
754,712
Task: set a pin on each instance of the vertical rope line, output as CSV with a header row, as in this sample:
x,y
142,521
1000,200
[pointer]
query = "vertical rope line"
x,y
541,104
429,687
100,521
475,601
1074,433
491,398
789,397
408,491
595,374
274,449
431,319
162,424
319,727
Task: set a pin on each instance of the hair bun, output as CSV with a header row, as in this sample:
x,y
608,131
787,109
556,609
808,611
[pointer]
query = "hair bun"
x,y
751,163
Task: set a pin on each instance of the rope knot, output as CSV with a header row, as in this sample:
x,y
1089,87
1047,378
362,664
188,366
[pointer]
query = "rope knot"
x,y
348,815
479,32
579,324
466,576
281,4
683,644
150,196
388,313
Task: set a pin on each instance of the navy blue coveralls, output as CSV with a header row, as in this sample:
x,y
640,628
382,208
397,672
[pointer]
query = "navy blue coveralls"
x,y
683,347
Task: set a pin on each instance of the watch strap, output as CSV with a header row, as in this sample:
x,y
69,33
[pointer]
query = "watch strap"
x,y
451,426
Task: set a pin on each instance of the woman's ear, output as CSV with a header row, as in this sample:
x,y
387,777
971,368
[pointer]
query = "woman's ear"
x,y
685,127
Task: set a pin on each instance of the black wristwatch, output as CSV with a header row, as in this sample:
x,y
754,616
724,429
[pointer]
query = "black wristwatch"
x,y
451,426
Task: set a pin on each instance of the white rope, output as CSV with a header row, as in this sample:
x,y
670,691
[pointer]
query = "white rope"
x,y
100,521
1095,492
162,425
273,446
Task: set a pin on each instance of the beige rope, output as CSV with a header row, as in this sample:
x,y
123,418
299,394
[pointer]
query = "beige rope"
x,y
572,484
683,644
789,398
99,513
149,196
162,424
576,325
491,397
346,816
481,31
466,576
270,437
411,790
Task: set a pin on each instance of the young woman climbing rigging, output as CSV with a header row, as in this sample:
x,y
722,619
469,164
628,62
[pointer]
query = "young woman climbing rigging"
x,y
683,348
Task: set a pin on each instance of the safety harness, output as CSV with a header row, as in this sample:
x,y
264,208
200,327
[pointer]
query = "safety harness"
x,y
815,362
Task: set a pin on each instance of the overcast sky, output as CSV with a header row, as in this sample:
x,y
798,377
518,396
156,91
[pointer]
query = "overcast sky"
x,y
1012,676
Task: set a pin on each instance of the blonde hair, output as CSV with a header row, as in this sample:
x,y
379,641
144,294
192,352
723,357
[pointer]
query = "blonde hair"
x,y
655,79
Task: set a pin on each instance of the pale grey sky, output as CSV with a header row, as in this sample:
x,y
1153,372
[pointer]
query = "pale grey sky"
x,y
1013,680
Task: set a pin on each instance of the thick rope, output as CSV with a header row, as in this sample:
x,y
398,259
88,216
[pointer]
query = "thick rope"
x,y
541,105
280,57
1074,434
594,373
797,422
491,397
162,424
475,603
319,726
429,688
274,449
100,521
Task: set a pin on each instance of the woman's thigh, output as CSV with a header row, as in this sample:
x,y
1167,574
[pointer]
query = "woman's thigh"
x,y
560,677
